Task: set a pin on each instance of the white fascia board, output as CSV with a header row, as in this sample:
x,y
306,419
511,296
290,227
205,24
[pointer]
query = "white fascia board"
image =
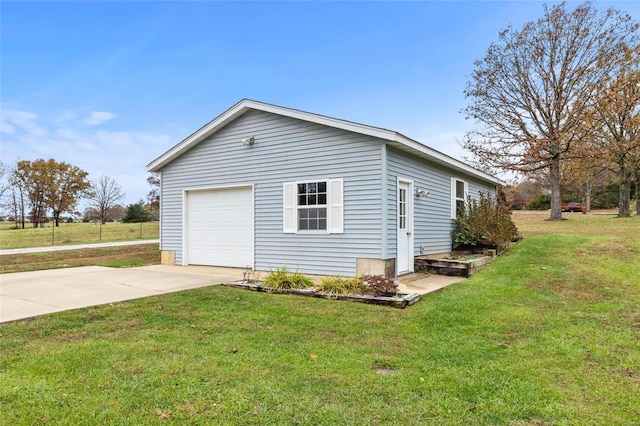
x,y
197,136
245,104
377,132
445,159
324,120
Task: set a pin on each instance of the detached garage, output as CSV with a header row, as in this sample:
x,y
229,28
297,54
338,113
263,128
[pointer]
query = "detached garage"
x,y
219,227
263,186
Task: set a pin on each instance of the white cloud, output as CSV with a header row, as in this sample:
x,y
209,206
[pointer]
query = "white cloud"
x,y
65,116
12,119
98,117
121,154
6,128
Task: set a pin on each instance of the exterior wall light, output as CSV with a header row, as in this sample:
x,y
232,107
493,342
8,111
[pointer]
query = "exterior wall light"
x,y
421,193
248,141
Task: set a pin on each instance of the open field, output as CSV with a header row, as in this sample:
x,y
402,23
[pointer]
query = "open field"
x,y
75,233
118,257
549,333
599,222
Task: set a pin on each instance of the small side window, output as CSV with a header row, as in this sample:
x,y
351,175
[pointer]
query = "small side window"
x,y
459,193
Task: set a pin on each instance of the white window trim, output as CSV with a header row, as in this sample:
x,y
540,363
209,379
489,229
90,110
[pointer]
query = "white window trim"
x,y
454,198
334,206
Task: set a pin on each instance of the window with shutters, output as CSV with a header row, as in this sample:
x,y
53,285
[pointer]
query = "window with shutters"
x,y
313,207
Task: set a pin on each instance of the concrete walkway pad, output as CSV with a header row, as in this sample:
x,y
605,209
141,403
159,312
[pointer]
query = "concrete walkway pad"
x,y
27,294
423,283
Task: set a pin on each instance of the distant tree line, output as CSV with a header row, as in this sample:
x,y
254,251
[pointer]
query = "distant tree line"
x,y
533,194
41,190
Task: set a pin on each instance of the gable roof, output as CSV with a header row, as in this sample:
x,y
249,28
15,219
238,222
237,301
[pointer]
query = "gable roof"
x,y
397,139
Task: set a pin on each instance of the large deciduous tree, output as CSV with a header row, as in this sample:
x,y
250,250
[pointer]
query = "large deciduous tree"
x,y
67,184
31,179
617,130
105,196
50,184
532,92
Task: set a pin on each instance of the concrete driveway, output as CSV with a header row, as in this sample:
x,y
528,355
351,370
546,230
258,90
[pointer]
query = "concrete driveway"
x,y
28,294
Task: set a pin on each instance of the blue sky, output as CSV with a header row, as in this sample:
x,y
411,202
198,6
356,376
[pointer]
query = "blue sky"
x,y
109,86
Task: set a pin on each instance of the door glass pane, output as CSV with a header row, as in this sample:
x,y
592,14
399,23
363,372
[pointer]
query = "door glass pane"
x,y
402,209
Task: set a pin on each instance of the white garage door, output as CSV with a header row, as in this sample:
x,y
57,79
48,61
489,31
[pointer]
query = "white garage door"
x,y
220,227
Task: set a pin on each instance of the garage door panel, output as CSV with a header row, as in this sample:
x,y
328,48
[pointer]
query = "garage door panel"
x,y
220,227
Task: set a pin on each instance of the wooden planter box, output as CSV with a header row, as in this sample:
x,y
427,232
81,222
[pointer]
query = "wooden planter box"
x,y
451,267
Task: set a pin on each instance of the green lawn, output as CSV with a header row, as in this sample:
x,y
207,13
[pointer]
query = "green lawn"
x,y
114,257
74,233
547,334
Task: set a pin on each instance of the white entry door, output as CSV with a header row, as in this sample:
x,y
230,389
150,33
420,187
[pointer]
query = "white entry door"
x,y
405,226
219,229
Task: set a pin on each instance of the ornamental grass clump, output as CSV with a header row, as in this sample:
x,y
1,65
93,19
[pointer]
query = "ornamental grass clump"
x,y
339,285
282,279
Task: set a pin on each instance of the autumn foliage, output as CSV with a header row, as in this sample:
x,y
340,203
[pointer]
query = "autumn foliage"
x,y
49,184
533,94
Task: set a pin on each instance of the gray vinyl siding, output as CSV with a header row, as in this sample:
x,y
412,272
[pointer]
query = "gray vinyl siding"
x,y
285,150
432,214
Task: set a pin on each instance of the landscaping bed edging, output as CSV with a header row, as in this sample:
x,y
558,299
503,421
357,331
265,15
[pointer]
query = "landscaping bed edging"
x,y
401,300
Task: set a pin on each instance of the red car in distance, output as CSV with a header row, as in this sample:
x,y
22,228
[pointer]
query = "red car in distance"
x,y
573,207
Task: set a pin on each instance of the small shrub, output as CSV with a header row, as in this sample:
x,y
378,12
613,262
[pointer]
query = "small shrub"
x,y
379,285
281,278
483,223
542,202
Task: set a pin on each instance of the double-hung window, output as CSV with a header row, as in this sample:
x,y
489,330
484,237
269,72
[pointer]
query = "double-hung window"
x,y
459,193
313,207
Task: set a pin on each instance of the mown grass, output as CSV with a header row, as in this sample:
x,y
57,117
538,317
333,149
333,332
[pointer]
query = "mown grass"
x,y
547,334
75,233
115,257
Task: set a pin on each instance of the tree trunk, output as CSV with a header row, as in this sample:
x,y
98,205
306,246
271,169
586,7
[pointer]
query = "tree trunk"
x,y
588,196
15,207
638,190
556,189
624,194
22,219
